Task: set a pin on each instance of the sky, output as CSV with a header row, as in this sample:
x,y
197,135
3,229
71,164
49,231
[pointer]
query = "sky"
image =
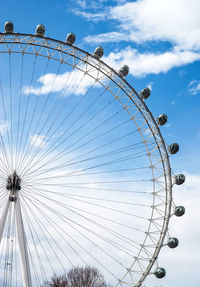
x,y
159,41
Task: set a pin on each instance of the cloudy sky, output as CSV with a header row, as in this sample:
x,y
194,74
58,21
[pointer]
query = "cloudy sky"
x,y
160,42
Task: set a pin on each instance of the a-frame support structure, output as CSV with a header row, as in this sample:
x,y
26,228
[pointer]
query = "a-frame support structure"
x,y
13,187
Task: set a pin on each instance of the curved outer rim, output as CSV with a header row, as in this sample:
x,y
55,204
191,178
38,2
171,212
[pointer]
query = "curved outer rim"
x,y
118,80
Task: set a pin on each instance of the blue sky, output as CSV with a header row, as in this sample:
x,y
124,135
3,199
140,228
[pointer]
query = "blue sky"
x,y
160,42
164,58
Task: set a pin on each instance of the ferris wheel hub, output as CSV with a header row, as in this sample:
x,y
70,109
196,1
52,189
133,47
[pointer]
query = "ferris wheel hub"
x,y
14,185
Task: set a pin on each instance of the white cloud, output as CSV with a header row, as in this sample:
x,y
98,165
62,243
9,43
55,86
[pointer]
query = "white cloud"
x,y
66,83
194,87
81,3
90,16
141,64
176,21
37,140
150,85
4,127
106,37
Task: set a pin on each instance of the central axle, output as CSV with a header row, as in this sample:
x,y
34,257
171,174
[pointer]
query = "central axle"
x,y
13,185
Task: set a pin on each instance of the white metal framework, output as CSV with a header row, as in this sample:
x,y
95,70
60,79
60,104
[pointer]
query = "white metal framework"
x,y
96,186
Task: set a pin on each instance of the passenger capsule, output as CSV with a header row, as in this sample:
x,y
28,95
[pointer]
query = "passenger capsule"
x,y
161,119
40,30
179,211
179,179
124,71
9,27
145,93
173,148
71,38
98,53
160,272
173,242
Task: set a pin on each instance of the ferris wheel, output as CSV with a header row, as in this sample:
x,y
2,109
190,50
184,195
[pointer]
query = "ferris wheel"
x,y
85,177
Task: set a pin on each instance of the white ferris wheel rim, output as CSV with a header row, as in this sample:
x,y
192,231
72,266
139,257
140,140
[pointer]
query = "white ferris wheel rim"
x,y
18,43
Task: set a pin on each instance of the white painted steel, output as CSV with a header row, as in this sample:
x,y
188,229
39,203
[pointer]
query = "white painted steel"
x,y
129,99
22,245
3,218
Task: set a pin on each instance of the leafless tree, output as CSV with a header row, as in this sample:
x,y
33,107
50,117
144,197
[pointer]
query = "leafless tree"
x,y
85,277
78,277
56,281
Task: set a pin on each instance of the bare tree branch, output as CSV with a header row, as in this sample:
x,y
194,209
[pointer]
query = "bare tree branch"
x,y
78,277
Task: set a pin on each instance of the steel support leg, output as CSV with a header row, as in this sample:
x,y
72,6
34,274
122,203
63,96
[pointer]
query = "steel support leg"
x,y
22,246
3,218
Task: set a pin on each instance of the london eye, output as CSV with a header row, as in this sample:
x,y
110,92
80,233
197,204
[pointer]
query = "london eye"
x,y
85,176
